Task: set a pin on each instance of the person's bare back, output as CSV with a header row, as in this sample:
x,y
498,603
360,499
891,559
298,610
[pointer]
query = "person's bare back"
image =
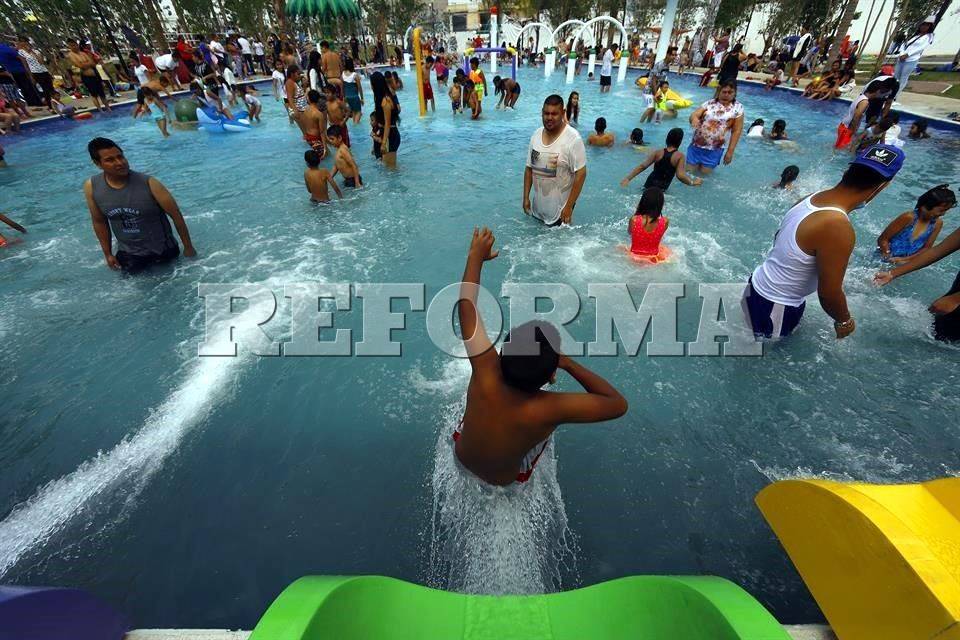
x,y
317,181
314,122
330,65
336,114
508,417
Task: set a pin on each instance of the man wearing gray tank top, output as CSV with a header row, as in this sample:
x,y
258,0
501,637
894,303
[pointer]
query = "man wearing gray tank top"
x,y
133,208
812,247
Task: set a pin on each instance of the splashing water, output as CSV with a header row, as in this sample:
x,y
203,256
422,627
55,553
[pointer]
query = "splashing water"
x,y
131,462
497,540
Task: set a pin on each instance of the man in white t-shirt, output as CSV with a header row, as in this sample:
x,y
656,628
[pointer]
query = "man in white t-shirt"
x,y
140,70
258,55
247,52
167,65
606,69
556,167
217,49
279,82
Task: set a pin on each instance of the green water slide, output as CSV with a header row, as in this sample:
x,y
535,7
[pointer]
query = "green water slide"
x,y
637,607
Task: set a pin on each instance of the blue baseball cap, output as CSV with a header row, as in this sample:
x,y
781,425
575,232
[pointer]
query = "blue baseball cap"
x,y
885,159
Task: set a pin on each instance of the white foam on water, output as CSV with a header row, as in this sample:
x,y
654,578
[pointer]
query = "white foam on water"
x,y
496,540
131,462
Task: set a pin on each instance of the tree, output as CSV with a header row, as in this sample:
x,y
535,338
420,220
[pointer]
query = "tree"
x,y
708,25
846,19
732,13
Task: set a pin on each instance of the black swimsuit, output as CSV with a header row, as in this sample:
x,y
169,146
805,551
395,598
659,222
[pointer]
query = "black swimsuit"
x,y
663,172
947,326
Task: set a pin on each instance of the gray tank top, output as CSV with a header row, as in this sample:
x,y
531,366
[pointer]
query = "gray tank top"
x,y
138,223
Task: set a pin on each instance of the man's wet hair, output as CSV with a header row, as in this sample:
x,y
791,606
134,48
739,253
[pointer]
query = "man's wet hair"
x,y
600,125
554,100
529,357
312,158
95,146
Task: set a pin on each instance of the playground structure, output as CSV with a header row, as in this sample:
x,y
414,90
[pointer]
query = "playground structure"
x,y
407,56
495,51
418,54
625,40
550,47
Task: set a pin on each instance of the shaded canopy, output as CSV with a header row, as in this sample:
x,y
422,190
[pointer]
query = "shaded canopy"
x,y
323,9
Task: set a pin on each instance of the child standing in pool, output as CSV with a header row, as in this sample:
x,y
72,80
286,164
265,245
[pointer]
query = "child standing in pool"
x,y
573,108
151,97
427,87
473,102
316,179
376,133
647,227
343,160
479,80
352,89
456,94
913,231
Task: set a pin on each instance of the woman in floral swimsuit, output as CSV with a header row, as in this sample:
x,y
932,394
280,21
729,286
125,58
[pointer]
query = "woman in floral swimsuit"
x,y
711,123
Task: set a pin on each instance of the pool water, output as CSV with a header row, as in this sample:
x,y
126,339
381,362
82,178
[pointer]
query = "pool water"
x,y
189,491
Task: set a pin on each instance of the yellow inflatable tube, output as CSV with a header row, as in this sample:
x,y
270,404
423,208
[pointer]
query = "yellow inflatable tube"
x,y
882,561
678,101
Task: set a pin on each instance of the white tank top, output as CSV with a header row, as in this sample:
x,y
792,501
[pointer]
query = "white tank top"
x,y
853,109
789,274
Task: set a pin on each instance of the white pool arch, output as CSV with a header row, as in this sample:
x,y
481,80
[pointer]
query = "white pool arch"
x,y
622,72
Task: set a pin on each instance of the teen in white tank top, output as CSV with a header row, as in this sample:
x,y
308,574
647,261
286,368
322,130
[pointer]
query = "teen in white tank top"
x,y
789,274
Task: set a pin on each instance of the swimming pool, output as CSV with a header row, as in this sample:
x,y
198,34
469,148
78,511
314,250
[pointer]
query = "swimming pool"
x,y
188,491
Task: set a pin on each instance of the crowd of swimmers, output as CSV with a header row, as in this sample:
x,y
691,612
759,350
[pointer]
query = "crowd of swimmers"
x,y
509,417
328,101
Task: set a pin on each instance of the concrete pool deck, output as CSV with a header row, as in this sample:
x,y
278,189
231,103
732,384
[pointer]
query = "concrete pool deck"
x,y
797,632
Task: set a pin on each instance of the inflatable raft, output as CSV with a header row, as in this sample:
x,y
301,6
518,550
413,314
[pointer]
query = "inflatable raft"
x,y
678,101
212,121
648,607
882,561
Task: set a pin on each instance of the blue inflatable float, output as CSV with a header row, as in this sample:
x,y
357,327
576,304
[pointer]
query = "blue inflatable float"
x,y
213,121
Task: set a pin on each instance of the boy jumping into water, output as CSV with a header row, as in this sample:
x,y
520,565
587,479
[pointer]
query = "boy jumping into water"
x,y
508,419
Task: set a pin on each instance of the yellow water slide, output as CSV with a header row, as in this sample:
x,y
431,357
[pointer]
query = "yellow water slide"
x,y
882,561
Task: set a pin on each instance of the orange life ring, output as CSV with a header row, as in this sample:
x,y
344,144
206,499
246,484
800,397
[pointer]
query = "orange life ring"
x,y
83,116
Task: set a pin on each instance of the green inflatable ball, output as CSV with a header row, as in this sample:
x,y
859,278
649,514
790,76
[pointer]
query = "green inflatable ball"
x,y
185,110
